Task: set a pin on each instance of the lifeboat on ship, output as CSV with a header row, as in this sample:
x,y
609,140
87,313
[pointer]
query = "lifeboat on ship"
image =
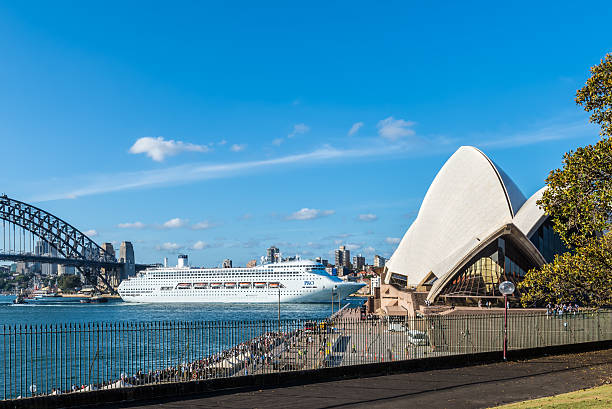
x,y
183,286
200,286
273,285
215,285
230,285
245,285
259,285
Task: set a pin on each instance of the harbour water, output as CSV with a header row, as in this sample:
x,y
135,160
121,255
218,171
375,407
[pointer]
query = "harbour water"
x,y
70,310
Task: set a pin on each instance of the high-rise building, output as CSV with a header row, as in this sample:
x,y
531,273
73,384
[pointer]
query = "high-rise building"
x,y
251,263
343,257
126,256
374,283
358,262
61,270
379,261
322,261
273,255
227,263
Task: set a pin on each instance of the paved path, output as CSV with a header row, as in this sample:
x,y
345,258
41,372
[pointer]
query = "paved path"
x,y
470,387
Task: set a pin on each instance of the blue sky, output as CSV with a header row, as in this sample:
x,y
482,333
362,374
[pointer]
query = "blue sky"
x,y
221,129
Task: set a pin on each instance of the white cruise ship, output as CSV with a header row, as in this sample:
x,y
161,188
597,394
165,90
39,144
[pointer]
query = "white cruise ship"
x,y
298,281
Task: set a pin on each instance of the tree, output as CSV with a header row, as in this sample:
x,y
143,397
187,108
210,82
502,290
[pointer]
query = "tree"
x,y
579,202
579,196
596,95
583,276
68,282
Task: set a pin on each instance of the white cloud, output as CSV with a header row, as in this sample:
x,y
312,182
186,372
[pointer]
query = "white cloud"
x,y
356,126
202,225
392,240
309,214
394,129
175,223
367,217
135,225
237,148
277,141
352,246
369,250
158,148
222,142
104,183
298,129
168,246
200,245
90,233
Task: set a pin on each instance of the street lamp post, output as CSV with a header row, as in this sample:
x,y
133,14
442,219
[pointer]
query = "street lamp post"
x,y
506,288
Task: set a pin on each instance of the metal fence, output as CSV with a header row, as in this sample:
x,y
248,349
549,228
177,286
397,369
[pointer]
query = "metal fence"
x,y
57,359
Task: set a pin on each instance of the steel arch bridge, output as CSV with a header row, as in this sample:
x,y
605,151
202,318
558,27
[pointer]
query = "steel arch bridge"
x,y
22,222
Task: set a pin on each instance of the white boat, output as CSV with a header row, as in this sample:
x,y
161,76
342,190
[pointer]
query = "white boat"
x,y
298,281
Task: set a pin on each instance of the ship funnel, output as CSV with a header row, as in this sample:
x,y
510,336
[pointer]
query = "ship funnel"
x,y
183,261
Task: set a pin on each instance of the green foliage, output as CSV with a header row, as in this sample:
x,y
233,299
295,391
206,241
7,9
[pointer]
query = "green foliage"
x,y
596,95
68,282
579,196
583,276
579,202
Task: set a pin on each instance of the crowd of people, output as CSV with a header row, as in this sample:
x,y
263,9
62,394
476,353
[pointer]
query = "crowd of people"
x,y
244,358
560,310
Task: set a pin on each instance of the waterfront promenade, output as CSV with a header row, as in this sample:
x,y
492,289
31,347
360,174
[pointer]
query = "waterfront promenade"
x,y
466,387
136,361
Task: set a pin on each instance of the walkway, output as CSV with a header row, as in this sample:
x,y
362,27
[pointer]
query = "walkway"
x,y
470,387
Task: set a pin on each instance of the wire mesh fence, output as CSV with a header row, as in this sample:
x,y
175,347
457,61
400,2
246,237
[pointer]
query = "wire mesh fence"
x,y
70,358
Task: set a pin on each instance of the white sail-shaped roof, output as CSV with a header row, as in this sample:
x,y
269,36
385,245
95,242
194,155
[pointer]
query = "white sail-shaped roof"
x,y
531,216
469,199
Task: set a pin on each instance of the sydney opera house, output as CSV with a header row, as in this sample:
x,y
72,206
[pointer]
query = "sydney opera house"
x,y
474,230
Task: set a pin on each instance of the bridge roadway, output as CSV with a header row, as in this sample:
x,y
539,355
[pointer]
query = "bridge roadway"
x,y
458,388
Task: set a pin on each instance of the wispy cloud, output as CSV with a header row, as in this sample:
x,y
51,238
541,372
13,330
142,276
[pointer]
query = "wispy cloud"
x,y
203,225
277,141
104,183
175,223
309,214
237,148
134,225
392,240
549,132
90,233
356,126
298,129
200,245
369,217
394,129
159,148
169,246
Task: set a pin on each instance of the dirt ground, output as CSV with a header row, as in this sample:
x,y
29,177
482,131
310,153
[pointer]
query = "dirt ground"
x,y
469,387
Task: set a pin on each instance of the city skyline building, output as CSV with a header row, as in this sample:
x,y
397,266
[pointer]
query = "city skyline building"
x,y
379,261
342,257
358,262
273,255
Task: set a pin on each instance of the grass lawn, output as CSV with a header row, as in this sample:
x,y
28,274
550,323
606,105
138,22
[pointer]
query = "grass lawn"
x,y
594,398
